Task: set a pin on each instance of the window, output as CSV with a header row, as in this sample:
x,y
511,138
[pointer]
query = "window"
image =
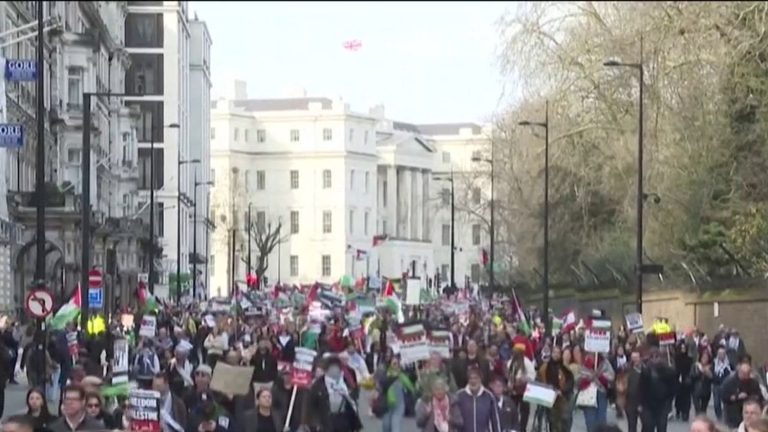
x,y
475,271
326,264
444,272
150,120
294,135
352,180
294,265
445,195
247,180
446,157
476,195
327,134
145,76
144,168
367,181
213,133
294,222
446,235
384,193
294,179
351,221
73,155
365,223
351,135
327,222
236,135
261,220
365,137
160,219
261,180
74,88
384,227
144,30
261,135
245,135
476,234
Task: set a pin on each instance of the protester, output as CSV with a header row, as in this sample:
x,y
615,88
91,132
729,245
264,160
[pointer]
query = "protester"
x,y
216,343
264,365
74,417
633,397
683,367
509,418
437,412
595,376
751,412
702,376
521,371
657,389
556,375
282,390
173,412
94,408
329,406
736,389
18,423
37,410
263,418
703,424
397,390
180,369
477,406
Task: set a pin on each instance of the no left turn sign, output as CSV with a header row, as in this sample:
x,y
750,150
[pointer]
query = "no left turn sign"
x,y
39,303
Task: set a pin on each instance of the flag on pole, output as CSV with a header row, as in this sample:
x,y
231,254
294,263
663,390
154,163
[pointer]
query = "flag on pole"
x,y
67,313
379,239
565,323
147,301
361,255
517,310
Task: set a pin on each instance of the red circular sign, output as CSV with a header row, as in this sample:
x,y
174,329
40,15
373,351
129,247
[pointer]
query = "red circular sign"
x,y
94,279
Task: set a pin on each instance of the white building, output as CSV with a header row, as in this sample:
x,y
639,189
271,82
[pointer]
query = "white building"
x,y
333,179
159,39
200,140
84,53
306,164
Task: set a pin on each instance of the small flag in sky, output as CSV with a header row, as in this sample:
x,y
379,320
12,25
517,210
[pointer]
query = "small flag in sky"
x,y
379,239
353,45
361,255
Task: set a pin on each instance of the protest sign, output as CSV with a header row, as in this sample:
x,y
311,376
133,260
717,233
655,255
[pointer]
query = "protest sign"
x,y
72,343
634,322
234,380
414,345
148,326
144,411
440,342
539,394
597,341
301,372
120,362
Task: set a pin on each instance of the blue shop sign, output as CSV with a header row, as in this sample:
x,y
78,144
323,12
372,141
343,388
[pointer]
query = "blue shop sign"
x,y
11,135
20,70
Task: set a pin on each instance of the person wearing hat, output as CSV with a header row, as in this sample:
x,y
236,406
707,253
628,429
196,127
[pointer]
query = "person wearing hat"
x,y
180,369
520,371
200,392
329,405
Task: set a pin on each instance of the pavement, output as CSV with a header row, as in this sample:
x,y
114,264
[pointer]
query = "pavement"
x,y
15,404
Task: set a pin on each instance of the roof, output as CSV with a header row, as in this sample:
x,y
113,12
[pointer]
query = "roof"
x,y
288,104
437,128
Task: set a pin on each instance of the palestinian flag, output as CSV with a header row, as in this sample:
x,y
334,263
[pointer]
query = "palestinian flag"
x,y
67,313
517,310
147,301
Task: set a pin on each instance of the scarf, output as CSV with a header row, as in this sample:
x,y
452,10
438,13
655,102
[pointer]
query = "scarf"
x,y
621,361
404,381
185,372
337,392
440,410
721,366
733,343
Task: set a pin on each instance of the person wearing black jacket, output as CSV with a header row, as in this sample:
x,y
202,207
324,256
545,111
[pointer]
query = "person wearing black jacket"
x,y
264,365
5,372
657,388
683,367
37,410
737,388
721,369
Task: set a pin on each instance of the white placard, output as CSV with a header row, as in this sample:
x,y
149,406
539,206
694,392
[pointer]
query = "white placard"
x,y
413,352
120,362
539,394
634,322
148,326
597,341
413,291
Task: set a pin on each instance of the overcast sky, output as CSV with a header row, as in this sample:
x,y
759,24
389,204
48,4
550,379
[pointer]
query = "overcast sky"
x,y
426,62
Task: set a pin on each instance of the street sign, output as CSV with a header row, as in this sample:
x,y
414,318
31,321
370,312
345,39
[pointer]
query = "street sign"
x,y
20,70
39,303
94,279
95,298
11,135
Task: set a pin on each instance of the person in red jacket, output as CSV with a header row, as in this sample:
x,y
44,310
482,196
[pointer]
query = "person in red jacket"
x,y
524,340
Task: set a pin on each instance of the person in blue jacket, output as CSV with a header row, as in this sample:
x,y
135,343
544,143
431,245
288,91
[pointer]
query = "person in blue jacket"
x,y
478,406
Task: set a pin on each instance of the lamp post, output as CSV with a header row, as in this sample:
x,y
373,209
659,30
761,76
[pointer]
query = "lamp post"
x,y
491,275
545,125
178,221
453,225
194,235
152,207
279,248
248,231
640,193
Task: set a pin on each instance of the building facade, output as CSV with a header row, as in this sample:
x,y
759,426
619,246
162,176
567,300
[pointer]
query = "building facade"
x,y
84,51
331,179
164,55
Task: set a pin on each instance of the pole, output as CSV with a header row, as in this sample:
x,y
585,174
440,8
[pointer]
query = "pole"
x,y
547,322
85,171
280,255
453,236
232,261
207,254
639,251
152,207
178,226
194,240
492,278
40,179
248,230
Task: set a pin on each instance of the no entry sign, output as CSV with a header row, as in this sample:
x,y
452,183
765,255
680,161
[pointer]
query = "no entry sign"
x,y
95,279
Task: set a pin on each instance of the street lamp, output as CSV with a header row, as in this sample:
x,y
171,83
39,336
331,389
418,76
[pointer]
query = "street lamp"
x,y
491,276
152,209
640,194
194,235
545,125
453,224
178,221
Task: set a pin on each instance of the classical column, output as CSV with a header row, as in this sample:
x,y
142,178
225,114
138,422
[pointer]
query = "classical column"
x,y
390,215
426,233
404,202
416,202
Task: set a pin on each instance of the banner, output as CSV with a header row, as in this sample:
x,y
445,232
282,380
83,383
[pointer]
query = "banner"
x,y
301,372
148,326
144,411
597,341
634,322
120,362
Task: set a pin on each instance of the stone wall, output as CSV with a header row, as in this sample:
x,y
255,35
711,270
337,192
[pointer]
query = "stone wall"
x,y
743,309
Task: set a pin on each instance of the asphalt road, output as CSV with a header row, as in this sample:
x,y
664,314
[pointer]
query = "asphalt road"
x,y
14,404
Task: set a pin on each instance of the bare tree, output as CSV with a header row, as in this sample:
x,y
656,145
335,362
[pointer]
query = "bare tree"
x,y
265,239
